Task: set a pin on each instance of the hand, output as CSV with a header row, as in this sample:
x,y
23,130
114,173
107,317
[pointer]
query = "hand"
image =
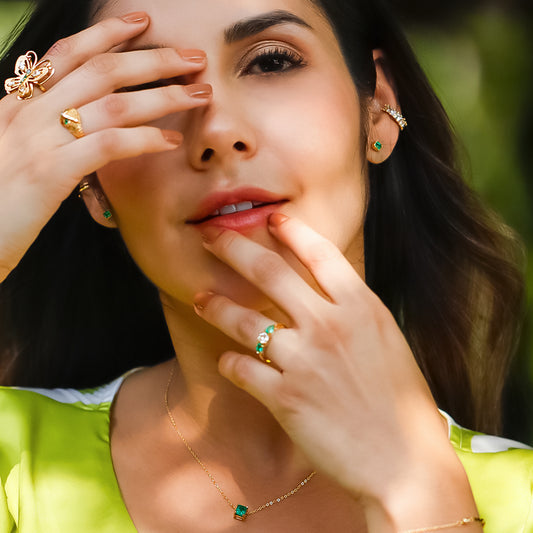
x,y
41,162
347,389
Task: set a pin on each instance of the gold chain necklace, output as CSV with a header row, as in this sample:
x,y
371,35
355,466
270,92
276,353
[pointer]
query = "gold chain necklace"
x,y
240,512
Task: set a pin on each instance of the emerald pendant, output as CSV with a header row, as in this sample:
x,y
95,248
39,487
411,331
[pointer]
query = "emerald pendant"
x,y
241,512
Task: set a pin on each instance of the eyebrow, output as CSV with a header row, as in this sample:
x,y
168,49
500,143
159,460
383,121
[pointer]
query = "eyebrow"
x,y
254,25
247,27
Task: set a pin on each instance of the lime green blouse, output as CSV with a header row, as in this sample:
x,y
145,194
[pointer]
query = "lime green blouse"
x,y
56,473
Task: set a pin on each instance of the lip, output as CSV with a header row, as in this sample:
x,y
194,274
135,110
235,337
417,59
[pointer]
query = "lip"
x,y
220,199
243,220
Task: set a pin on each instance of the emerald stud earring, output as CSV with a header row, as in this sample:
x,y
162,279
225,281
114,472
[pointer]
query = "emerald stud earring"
x,y
377,146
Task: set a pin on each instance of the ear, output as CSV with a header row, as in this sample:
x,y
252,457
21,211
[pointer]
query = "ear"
x,y
96,202
382,130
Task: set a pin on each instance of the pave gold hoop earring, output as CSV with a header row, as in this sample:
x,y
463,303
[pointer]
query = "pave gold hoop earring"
x,y
395,115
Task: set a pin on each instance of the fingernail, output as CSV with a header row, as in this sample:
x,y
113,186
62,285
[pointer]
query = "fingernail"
x,y
174,137
277,219
209,235
193,55
202,299
199,90
135,17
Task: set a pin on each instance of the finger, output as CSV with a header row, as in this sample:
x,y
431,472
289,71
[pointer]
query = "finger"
x,y
119,110
71,52
266,269
108,72
96,150
326,263
249,374
240,323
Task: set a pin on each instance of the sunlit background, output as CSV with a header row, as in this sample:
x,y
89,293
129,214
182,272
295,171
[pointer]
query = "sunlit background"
x,y
478,55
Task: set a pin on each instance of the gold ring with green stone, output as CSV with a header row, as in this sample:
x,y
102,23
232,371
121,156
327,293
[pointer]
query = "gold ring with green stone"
x,y
71,120
263,339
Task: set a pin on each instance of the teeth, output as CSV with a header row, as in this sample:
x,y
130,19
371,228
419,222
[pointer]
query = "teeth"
x,y
235,208
244,206
228,209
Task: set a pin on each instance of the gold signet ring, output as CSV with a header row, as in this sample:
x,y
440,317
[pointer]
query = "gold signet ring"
x,y
71,120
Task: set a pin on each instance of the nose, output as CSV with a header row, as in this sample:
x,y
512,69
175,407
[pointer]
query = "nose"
x,y
219,133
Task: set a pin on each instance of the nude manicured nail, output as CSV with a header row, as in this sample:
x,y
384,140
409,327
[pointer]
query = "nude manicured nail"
x,y
277,219
199,90
135,17
174,137
209,235
201,300
194,56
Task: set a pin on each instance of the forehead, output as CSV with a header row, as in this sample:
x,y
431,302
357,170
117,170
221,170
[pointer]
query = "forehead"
x,y
186,23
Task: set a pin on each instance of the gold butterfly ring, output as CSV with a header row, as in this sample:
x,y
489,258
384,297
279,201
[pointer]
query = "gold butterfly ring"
x,y
29,72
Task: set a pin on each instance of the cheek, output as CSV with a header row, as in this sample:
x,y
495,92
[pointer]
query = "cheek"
x,y
144,201
147,201
314,133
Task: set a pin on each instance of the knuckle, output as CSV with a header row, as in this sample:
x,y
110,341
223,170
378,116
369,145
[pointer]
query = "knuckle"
x,y
226,240
242,371
109,140
38,169
102,63
108,24
322,251
247,328
63,47
289,399
114,105
165,55
171,94
267,267
216,305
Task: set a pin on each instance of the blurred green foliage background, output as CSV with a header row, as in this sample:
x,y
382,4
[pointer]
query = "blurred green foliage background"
x,y
478,56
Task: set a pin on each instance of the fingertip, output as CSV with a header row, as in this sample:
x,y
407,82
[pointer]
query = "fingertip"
x,y
226,364
175,138
201,301
210,234
275,220
136,17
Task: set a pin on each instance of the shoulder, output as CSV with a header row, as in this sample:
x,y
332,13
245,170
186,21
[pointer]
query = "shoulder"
x,y
24,401
56,471
500,472
30,418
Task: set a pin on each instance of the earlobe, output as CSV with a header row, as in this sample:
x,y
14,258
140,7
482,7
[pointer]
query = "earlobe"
x,y
385,118
96,202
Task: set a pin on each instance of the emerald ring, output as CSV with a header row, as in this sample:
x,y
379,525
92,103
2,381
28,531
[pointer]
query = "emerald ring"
x,y
262,342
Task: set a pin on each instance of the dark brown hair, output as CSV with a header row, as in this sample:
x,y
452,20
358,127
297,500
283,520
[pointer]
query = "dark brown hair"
x,y
77,311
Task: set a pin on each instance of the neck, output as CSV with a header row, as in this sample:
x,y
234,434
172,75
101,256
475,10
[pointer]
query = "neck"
x,y
209,408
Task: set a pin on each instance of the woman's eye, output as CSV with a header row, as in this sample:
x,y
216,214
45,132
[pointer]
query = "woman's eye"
x,y
272,61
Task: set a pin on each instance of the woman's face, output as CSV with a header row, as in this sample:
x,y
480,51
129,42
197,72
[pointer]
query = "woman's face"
x,y
283,127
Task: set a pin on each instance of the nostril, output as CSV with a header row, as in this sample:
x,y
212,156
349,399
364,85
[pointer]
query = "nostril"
x,y
206,156
239,146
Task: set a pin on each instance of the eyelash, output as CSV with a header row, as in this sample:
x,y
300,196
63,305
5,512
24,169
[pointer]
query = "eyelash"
x,y
274,54
266,54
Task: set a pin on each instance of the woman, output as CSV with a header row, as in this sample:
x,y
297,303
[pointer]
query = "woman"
x,y
256,166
